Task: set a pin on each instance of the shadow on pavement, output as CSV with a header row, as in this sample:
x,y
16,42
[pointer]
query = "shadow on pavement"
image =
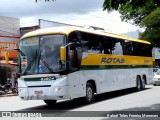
x,y
77,103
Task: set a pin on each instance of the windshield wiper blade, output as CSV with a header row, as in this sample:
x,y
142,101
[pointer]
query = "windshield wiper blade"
x,y
20,52
28,66
46,64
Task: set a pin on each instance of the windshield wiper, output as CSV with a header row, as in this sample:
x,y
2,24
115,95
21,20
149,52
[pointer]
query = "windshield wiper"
x,y
20,52
48,67
29,65
45,63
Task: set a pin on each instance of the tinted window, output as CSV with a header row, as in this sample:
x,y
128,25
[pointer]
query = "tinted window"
x,y
128,48
93,43
137,49
101,44
118,47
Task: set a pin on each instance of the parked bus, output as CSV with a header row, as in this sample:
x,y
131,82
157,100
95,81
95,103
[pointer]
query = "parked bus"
x,y
71,62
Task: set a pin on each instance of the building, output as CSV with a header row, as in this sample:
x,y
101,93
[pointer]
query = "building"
x,y
9,37
24,30
48,24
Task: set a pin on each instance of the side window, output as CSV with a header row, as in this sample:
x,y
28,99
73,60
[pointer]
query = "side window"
x,y
72,52
128,48
137,49
118,48
106,45
141,49
90,43
147,50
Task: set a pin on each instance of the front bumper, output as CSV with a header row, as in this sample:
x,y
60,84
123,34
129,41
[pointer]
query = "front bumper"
x,y
44,93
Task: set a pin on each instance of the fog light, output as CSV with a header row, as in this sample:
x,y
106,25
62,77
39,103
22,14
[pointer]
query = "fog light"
x,y
57,89
21,90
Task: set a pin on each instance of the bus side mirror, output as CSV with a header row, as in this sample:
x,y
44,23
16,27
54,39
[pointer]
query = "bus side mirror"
x,y
7,57
63,53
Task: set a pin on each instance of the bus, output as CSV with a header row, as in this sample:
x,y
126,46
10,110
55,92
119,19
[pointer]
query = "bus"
x,y
72,62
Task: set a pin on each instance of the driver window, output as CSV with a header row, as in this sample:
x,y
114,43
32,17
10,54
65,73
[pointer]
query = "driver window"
x,y
74,52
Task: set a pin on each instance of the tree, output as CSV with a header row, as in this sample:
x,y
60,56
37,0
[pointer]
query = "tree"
x,y
151,23
144,13
135,10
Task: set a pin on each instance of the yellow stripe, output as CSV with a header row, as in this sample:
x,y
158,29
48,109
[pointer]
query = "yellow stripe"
x,y
106,59
67,30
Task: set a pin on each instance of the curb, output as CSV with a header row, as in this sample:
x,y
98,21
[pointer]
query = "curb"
x,y
8,94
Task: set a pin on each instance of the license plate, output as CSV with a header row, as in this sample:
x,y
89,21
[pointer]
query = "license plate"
x,y
38,92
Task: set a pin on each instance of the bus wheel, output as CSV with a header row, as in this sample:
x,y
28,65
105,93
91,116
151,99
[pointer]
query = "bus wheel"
x,y
89,93
143,83
138,83
50,102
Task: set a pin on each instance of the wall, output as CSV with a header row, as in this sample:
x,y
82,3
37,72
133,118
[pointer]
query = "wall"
x,y
9,36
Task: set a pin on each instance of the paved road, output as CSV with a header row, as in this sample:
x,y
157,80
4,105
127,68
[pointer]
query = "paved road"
x,y
125,100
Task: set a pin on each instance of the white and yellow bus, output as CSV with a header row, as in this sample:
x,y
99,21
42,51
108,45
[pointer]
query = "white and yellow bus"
x,y
71,62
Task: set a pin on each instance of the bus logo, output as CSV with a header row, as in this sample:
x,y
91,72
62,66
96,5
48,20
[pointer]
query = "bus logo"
x,y
112,60
48,78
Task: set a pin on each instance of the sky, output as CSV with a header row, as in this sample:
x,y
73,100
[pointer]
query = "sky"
x,y
76,12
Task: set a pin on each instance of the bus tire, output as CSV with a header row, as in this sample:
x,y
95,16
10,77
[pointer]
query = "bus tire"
x,y
89,93
143,83
50,102
138,83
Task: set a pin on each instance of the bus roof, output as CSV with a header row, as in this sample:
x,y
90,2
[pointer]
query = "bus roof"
x,y
67,30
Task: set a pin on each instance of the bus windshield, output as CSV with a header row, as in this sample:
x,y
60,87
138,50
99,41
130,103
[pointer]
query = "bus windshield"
x,y
41,54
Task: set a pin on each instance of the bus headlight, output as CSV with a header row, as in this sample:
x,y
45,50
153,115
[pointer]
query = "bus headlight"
x,y
21,90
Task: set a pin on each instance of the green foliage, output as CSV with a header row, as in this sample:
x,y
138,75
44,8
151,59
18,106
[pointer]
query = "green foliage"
x,y
152,20
116,4
152,27
137,14
135,10
145,13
